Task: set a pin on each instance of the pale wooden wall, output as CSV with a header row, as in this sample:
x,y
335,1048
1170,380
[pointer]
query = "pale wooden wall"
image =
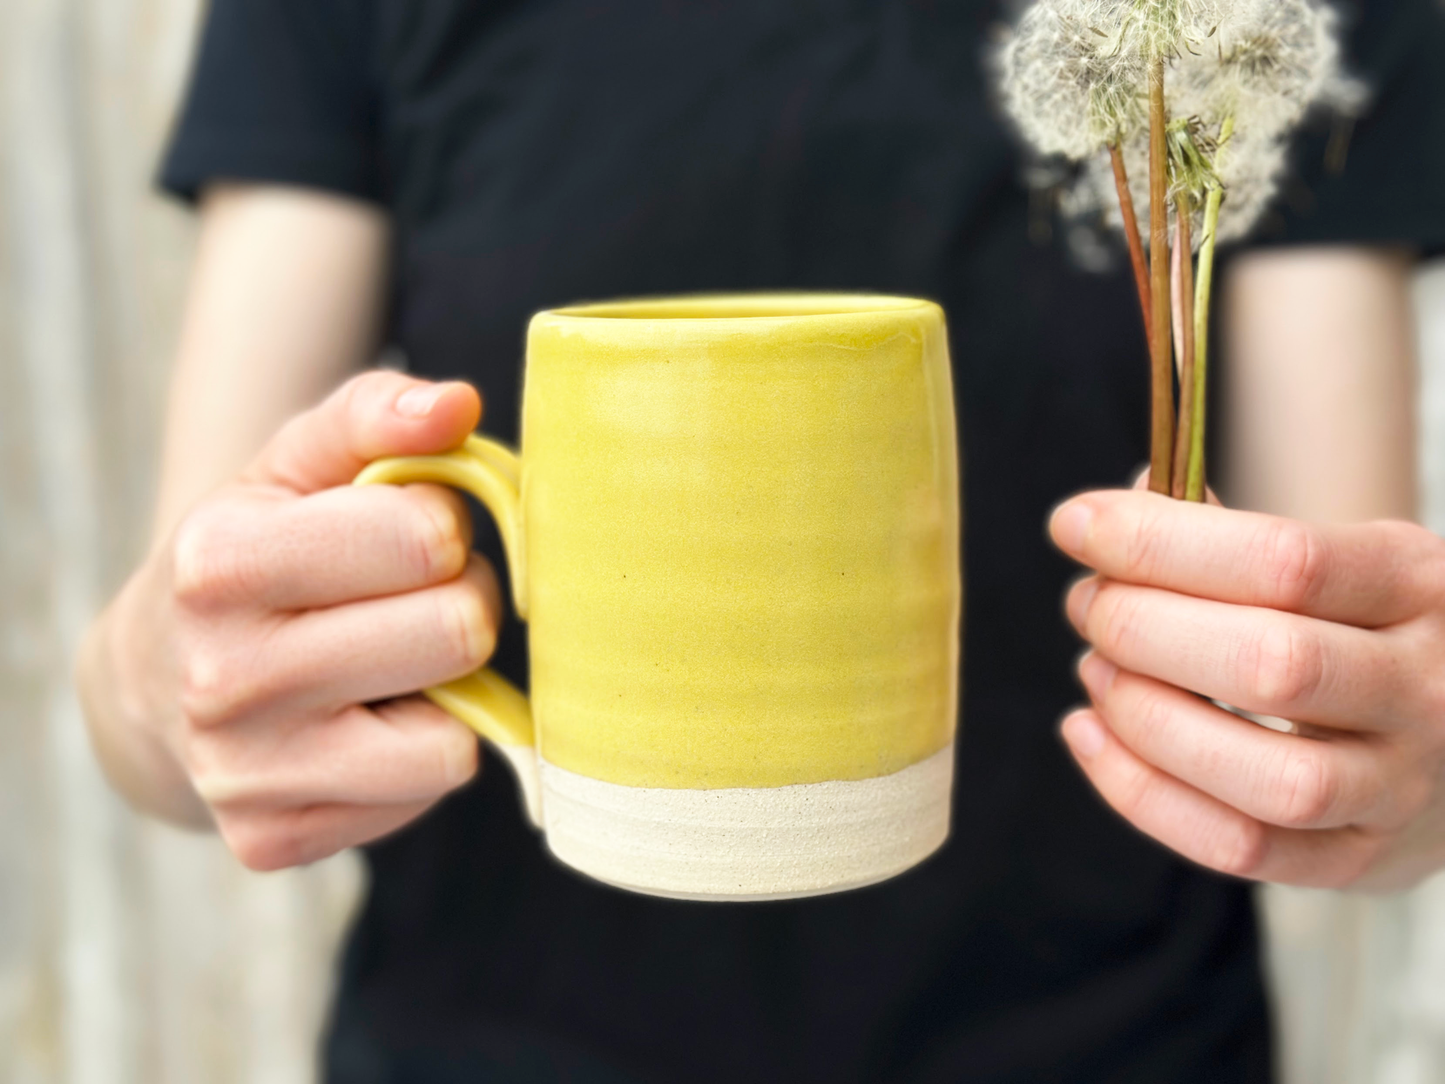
x,y
1360,981
130,954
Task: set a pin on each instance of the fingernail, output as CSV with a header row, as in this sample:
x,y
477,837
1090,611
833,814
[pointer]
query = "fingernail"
x,y
1080,598
418,402
1070,525
1084,735
1097,673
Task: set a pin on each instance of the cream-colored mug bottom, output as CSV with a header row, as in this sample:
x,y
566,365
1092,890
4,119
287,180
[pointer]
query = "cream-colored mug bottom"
x,y
748,843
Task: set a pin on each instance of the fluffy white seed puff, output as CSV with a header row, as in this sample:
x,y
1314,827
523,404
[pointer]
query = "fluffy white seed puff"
x,y
1074,78
1248,167
1074,72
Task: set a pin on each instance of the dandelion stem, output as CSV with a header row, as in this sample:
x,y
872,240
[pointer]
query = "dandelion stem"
x,y
1176,303
1195,481
1131,233
1161,437
1188,385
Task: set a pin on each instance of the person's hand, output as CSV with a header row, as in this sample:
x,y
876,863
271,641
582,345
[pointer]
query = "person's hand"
x,y
1339,629
265,649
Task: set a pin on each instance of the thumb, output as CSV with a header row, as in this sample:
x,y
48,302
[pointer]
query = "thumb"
x,y
376,414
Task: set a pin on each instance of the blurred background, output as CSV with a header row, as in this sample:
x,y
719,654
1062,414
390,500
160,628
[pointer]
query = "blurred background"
x,y
134,954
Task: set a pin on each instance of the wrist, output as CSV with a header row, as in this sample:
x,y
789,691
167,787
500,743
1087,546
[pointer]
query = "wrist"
x,y
127,730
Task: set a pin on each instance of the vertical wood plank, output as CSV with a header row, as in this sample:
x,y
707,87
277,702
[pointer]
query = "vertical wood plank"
x,y
1359,981
129,952
55,349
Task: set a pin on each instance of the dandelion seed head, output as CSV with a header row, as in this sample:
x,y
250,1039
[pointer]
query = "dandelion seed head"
x,y
1271,61
1066,81
1257,65
1169,28
1250,169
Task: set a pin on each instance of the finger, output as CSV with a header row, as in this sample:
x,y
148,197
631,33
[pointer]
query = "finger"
x,y
1371,575
399,752
335,546
321,661
265,840
1206,830
1259,660
1277,778
376,414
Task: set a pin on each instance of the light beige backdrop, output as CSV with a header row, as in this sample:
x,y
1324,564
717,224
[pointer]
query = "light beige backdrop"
x,y
132,954
129,953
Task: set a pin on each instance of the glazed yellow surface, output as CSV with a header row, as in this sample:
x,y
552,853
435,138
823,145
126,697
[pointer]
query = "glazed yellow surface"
x,y
742,540
739,532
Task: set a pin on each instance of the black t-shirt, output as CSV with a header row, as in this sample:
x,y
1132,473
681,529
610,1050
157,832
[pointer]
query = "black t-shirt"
x,y
536,153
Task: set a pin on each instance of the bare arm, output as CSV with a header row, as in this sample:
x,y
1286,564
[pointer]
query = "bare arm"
x,y
248,676
284,302
1320,414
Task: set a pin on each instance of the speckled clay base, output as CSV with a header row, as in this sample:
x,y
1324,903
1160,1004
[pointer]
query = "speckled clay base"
x,y
748,843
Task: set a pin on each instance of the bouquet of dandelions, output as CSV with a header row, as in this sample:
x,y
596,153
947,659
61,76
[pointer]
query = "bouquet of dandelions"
x,y
1200,97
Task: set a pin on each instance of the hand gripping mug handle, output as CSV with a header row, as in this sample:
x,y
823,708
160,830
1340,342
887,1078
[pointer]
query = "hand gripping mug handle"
x,y
485,701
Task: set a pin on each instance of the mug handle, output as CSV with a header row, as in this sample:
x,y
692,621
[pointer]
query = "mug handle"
x,y
485,701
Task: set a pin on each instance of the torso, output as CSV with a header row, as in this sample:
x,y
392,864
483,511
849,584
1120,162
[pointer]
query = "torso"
x,y
550,152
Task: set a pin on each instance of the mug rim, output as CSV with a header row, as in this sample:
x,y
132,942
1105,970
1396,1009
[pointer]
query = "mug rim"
x,y
741,307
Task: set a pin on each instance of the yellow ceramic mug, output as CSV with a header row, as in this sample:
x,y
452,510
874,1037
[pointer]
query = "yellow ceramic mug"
x,y
733,530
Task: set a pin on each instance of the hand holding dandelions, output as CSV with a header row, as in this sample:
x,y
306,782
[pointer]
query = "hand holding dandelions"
x,y
1340,629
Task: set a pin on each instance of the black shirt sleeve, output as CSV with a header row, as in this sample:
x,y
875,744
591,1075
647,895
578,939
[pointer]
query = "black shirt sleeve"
x,y
282,91
1379,179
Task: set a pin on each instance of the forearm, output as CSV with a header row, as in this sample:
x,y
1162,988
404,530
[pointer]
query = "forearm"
x,y
125,732
283,304
1319,350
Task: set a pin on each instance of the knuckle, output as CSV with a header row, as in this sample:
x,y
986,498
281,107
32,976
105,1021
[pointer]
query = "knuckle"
x,y
1422,571
1293,560
363,387
1144,546
215,558
262,844
220,778
204,762
1412,797
213,690
205,566
434,547
1119,618
1360,857
1411,537
467,626
1240,849
1137,793
1429,699
369,393
460,757
1284,666
1155,714
203,684
1429,703
1306,790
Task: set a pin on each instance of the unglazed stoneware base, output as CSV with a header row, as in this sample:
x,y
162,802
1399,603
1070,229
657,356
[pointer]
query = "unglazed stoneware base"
x,y
748,843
